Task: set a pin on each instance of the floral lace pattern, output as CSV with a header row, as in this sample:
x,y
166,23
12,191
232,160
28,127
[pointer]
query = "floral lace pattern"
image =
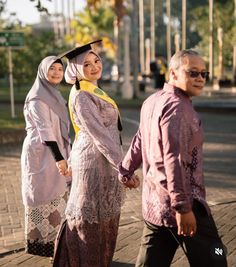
x,y
42,223
80,243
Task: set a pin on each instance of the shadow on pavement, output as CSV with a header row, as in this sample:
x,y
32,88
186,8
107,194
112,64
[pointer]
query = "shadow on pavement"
x,y
121,264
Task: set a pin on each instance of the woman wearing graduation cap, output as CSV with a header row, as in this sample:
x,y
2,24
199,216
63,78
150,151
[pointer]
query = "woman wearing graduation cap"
x,y
89,235
45,149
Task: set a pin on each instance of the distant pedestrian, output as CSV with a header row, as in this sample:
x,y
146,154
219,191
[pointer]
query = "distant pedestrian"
x,y
162,76
154,68
169,146
46,148
88,236
158,70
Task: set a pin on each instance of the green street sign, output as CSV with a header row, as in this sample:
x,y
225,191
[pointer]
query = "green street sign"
x,y
11,39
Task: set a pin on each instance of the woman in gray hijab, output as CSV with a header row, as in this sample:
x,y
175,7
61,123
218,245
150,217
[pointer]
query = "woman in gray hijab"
x,y
45,149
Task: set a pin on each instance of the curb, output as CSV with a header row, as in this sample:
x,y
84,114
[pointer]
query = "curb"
x,y
13,250
14,136
215,108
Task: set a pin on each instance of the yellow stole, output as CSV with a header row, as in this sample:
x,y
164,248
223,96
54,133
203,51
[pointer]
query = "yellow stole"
x,y
92,89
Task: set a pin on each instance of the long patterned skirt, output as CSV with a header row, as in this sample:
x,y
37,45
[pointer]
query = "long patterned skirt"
x,y
42,224
81,244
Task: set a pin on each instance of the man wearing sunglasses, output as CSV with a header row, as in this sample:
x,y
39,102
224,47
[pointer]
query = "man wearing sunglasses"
x,y
169,146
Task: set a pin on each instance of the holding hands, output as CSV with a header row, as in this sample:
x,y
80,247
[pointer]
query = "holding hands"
x,y
132,182
63,168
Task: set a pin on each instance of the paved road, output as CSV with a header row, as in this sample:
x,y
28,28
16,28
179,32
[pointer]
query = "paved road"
x,y
220,170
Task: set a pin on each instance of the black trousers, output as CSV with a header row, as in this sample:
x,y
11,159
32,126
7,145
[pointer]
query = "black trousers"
x,y
205,249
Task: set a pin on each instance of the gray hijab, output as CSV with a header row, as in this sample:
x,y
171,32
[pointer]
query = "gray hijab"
x,y
43,90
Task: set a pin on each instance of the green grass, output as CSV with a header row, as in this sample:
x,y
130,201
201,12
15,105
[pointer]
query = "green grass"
x,y
18,123
20,93
9,123
6,121
18,96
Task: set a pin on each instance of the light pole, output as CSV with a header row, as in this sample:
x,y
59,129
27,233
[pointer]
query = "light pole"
x,y
177,38
115,72
220,43
234,52
211,69
168,30
62,22
183,24
13,114
134,47
141,37
72,27
68,20
152,29
55,20
148,56
127,90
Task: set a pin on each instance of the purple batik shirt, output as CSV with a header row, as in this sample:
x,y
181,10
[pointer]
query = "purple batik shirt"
x,y
169,145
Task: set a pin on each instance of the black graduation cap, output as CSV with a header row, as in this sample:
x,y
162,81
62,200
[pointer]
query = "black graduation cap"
x,y
78,50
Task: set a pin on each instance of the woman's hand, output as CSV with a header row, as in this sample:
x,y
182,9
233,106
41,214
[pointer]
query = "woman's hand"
x,y
132,182
68,172
62,167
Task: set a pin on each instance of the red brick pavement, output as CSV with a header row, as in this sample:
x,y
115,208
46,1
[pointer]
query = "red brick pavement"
x,y
12,223
220,170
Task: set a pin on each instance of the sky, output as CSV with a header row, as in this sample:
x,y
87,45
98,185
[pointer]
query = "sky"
x,y
27,13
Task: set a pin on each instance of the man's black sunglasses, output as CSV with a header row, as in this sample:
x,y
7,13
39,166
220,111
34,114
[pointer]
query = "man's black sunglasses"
x,y
195,74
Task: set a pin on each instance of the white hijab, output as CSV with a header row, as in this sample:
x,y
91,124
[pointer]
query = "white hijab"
x,y
74,69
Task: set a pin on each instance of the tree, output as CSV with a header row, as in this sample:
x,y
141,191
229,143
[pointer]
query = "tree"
x,y
26,60
88,24
119,9
2,5
91,24
223,17
37,46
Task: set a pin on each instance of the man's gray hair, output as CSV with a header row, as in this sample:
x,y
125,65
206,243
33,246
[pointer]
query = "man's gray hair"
x,y
177,58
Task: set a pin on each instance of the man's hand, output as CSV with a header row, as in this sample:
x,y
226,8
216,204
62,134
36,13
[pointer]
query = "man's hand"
x,y
133,182
186,223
